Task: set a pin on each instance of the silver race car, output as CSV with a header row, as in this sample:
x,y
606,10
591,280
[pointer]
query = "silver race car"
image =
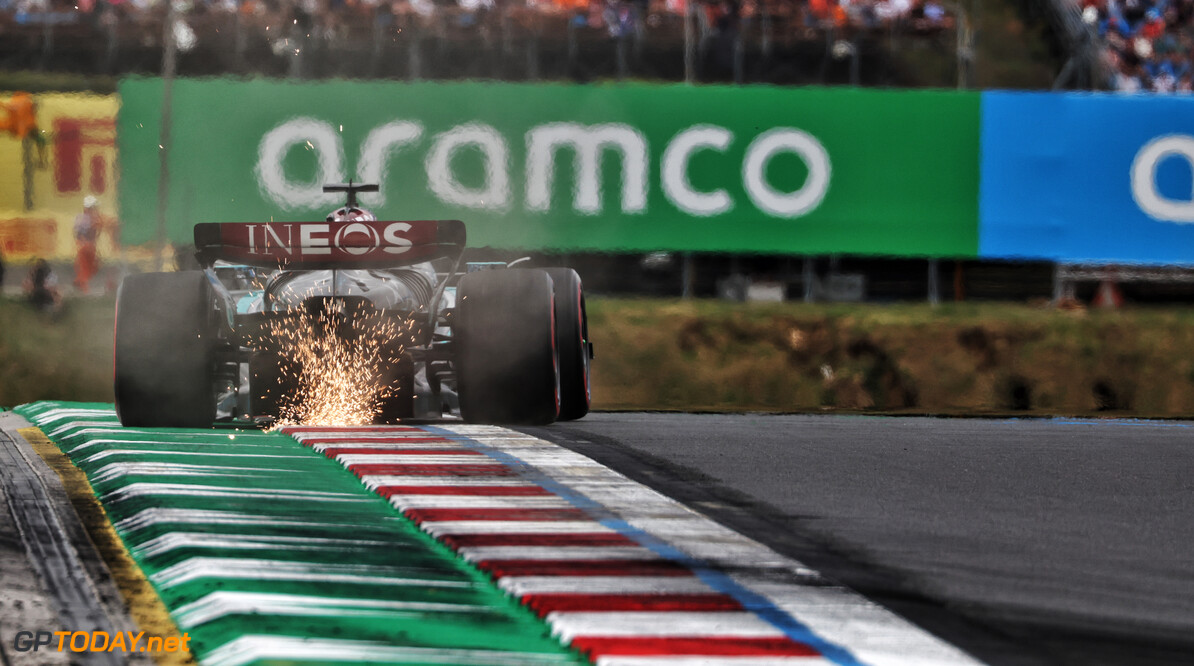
x,y
244,339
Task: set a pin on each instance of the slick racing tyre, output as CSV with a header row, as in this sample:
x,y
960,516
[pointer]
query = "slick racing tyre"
x,y
572,341
506,361
164,351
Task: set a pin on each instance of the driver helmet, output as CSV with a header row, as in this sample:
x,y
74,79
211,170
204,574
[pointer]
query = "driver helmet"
x,y
351,214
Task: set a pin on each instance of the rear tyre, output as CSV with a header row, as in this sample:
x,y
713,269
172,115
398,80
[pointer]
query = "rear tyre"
x,y
506,361
164,350
572,341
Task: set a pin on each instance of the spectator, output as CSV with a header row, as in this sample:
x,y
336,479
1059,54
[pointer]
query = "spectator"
x,y
1147,42
308,32
1128,77
935,14
41,287
87,228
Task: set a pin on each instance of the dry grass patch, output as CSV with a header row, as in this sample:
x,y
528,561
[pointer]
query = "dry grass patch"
x,y
965,358
710,355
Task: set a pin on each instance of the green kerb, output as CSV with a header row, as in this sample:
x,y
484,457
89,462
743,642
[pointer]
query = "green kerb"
x,y
255,542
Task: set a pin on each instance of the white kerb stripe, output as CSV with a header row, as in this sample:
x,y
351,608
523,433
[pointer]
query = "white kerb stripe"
x,y
222,604
462,481
478,502
110,453
386,446
713,661
155,516
523,585
172,541
515,527
391,459
483,553
361,435
662,624
275,570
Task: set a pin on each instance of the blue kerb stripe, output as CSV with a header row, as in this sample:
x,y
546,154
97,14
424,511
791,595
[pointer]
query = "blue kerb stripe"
x,y
720,582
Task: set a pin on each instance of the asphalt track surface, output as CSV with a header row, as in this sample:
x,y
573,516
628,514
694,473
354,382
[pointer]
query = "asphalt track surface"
x,y
1019,541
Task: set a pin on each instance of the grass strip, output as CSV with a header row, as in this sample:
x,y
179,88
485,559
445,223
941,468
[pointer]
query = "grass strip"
x,y
699,355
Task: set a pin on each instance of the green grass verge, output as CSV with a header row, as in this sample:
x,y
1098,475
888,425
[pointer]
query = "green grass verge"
x,y
63,356
710,355
953,359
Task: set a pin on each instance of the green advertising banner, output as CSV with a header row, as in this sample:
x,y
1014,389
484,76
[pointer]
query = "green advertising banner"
x,y
631,167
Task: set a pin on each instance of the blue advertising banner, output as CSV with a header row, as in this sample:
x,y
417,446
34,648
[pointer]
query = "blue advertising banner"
x,y
1099,178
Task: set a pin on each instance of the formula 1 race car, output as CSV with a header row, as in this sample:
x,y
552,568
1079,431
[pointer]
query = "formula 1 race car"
x,y
360,306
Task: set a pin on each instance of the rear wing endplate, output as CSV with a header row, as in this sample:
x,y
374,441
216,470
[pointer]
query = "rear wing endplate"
x,y
318,245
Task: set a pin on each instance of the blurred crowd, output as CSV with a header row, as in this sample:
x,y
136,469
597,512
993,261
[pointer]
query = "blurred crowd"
x,y
327,19
1149,44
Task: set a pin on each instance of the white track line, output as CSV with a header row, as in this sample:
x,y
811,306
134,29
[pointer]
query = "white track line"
x,y
707,661
383,459
664,624
524,585
482,553
374,480
514,527
478,502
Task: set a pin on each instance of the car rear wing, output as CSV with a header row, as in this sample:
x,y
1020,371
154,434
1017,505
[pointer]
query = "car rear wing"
x,y
320,245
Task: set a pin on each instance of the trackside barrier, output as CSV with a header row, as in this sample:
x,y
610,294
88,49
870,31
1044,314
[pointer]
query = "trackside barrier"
x,y
637,167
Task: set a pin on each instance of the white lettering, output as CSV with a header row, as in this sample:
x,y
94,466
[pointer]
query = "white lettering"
x,y
284,244
356,229
676,185
376,149
398,243
1144,178
494,193
311,244
588,142
317,136
786,204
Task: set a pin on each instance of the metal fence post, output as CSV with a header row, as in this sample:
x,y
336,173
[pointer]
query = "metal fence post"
x,y
687,276
740,52
689,42
620,57
169,64
414,52
27,170
1058,284
110,50
573,48
533,56
807,278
